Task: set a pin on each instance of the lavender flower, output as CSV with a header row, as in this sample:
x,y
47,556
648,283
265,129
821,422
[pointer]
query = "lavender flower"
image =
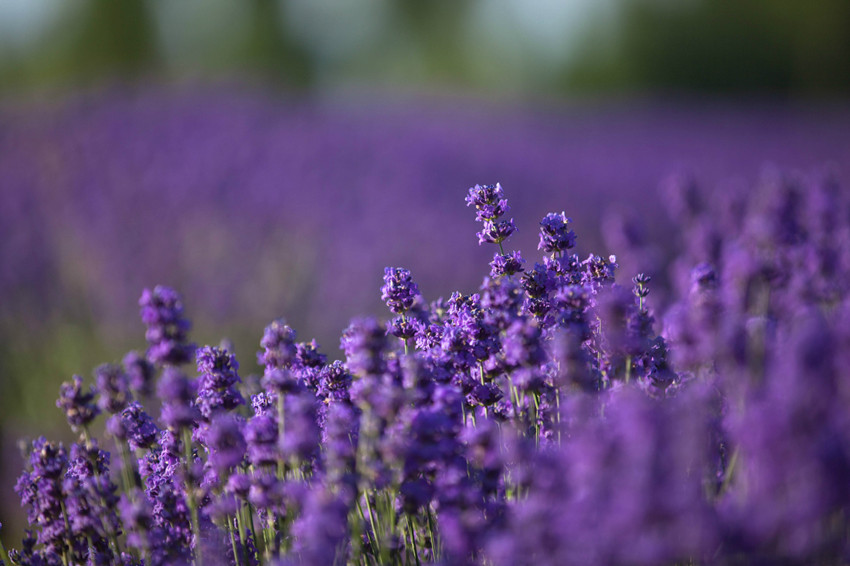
x,y
555,237
114,388
226,442
140,372
399,291
79,406
217,383
162,313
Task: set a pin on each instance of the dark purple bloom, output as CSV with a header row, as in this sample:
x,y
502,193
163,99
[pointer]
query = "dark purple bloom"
x,y
135,426
261,436
114,388
488,201
496,231
279,347
225,442
140,372
555,235
217,389
399,291
79,406
178,394
364,343
506,264
162,313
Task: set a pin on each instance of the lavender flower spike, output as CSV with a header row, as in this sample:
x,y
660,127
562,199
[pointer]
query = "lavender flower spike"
x,y
162,313
399,290
555,236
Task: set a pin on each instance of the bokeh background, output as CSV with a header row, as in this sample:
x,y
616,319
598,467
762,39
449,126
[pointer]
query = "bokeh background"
x,y
268,158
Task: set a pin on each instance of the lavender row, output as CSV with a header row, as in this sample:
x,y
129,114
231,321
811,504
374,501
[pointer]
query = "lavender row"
x,y
549,418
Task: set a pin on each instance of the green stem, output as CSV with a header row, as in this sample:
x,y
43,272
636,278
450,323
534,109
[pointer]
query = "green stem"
x,y
413,539
375,536
240,524
232,541
727,481
281,429
434,547
190,497
404,321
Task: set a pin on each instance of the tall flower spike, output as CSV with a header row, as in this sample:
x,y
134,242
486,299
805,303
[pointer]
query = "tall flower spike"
x,y
162,313
114,388
489,201
78,405
279,347
555,236
217,389
399,290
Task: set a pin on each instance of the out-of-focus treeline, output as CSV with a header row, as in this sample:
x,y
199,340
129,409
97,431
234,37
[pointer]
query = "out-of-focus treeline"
x,y
505,47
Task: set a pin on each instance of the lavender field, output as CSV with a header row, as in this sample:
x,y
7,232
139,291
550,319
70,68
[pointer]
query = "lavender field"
x,y
655,375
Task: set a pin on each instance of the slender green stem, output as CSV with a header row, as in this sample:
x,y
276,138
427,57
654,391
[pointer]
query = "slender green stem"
x,y
232,541
404,321
501,249
240,524
281,429
435,554
730,470
67,530
375,536
190,497
412,532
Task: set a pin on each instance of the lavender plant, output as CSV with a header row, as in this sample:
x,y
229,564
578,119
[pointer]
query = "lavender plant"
x,y
546,419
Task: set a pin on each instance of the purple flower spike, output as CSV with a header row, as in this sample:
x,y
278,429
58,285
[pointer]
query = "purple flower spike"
x,y
135,426
162,313
496,232
140,373
489,200
114,388
226,443
399,290
78,405
178,399
555,236
217,390
507,264
279,347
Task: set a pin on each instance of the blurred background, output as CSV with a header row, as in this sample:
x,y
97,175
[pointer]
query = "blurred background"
x,y
268,158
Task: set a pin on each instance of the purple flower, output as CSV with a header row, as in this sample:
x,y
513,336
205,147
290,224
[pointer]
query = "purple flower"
x,y
162,313
279,347
399,291
177,393
488,200
79,406
135,426
496,231
114,388
225,442
261,434
140,372
218,380
506,264
555,236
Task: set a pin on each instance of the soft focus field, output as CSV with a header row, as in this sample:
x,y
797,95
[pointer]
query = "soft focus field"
x,y
256,206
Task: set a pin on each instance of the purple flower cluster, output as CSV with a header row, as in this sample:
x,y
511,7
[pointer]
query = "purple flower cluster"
x,y
552,417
